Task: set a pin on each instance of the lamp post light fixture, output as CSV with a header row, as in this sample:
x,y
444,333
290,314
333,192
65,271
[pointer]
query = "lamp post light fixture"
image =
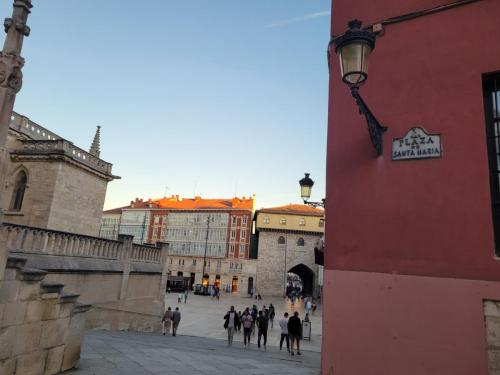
x,y
306,184
354,48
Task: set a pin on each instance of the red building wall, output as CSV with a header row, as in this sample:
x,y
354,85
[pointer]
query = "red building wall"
x,y
424,217
409,244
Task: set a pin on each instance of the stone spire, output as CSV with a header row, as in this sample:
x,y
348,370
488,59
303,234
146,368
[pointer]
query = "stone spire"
x,y
95,149
11,62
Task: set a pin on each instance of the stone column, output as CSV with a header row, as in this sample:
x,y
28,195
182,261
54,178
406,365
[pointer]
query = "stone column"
x,y
164,273
11,77
127,246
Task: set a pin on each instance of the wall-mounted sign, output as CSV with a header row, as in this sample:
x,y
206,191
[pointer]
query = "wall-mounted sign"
x,y
417,144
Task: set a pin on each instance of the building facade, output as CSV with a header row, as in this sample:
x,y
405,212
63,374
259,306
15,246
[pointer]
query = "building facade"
x,y
218,230
412,268
51,183
286,237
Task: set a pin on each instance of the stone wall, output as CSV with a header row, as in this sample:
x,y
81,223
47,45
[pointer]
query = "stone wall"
x,y
492,323
275,259
93,287
120,279
59,196
38,196
77,189
41,327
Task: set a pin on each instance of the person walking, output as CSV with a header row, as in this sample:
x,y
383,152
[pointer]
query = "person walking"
x,y
308,306
262,324
166,320
185,296
295,332
231,322
272,314
176,318
254,318
283,322
238,325
247,322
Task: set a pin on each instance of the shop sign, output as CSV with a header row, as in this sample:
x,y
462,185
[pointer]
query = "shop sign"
x,y
416,144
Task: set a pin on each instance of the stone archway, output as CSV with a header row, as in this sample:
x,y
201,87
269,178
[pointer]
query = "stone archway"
x,y
307,277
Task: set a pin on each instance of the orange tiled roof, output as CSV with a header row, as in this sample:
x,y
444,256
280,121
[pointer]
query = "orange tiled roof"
x,y
196,203
294,209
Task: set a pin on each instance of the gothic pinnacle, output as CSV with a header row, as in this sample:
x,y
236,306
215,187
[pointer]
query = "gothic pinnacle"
x,y
95,148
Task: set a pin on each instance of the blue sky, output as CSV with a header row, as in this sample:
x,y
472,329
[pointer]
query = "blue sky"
x,y
208,97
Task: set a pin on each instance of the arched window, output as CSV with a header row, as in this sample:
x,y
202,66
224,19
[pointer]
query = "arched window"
x,y
18,193
281,240
300,242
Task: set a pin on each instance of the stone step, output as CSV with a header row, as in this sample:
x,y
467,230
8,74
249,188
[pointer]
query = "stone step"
x,y
81,308
51,287
16,261
32,274
69,297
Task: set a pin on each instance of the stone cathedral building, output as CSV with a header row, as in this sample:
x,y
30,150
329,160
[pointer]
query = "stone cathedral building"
x,y
48,178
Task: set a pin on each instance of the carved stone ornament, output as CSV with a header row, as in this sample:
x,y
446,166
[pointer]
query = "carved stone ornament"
x,y
15,81
7,23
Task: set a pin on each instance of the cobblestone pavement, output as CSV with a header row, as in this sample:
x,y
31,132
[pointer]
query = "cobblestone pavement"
x,y
203,316
128,353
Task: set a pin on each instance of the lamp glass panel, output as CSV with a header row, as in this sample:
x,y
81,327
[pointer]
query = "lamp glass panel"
x,y
354,62
305,192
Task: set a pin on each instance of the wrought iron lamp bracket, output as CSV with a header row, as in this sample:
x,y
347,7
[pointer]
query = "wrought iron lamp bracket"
x,y
316,204
375,130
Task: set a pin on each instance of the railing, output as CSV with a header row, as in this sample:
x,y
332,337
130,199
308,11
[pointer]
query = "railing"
x,y
62,146
147,254
44,241
24,125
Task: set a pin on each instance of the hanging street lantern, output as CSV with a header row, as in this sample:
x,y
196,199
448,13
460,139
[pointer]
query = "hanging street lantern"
x,y
306,184
354,48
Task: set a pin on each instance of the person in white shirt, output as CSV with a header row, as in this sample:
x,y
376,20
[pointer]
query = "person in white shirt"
x,y
231,321
284,331
308,306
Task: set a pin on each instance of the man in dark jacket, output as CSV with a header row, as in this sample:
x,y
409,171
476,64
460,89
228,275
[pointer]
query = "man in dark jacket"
x,y
295,332
232,320
176,318
262,326
254,317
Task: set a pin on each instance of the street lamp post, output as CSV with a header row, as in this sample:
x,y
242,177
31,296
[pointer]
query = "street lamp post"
x,y
11,77
205,255
306,184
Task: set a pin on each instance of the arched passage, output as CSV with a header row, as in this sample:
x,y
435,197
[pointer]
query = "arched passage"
x,y
306,276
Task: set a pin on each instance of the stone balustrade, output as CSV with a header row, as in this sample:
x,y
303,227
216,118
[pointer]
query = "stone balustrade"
x,y
26,239
43,140
29,240
66,148
147,254
24,125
